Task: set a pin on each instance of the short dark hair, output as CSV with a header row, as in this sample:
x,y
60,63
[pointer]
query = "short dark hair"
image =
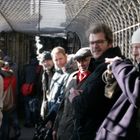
x,y
101,28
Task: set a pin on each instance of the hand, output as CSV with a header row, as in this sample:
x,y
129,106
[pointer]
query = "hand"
x,y
43,110
110,61
49,124
74,93
54,135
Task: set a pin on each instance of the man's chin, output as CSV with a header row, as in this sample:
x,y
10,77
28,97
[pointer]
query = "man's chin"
x,y
96,56
138,60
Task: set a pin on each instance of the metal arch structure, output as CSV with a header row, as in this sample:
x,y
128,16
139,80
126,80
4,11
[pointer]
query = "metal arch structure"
x,y
62,16
123,16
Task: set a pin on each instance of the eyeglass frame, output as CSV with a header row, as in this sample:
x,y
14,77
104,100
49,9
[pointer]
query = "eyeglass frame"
x,y
98,42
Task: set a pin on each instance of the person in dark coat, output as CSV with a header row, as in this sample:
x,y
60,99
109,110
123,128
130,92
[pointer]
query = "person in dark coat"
x,y
48,71
10,118
122,122
30,76
64,125
91,106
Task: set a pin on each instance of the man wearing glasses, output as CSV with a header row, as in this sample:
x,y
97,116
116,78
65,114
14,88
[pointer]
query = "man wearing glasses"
x,y
91,106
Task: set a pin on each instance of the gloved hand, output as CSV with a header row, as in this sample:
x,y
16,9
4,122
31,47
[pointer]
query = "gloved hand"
x,y
43,110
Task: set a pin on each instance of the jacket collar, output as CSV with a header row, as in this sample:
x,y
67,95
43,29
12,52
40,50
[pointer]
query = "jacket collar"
x,y
110,53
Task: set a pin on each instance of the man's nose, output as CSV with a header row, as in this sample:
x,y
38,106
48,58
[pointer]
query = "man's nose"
x,y
134,50
95,45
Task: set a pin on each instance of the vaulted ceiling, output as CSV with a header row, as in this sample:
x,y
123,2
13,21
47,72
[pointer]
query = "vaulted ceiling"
x,y
60,16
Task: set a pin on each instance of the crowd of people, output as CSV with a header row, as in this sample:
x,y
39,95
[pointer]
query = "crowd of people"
x,y
74,103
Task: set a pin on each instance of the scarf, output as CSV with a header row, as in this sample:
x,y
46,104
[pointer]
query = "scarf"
x,y
83,75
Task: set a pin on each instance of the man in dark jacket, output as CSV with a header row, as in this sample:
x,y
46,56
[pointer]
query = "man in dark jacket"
x,y
48,71
92,106
30,77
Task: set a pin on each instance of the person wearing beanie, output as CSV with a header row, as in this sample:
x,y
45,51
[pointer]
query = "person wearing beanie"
x,y
57,85
64,120
46,55
46,61
48,71
128,77
136,37
135,42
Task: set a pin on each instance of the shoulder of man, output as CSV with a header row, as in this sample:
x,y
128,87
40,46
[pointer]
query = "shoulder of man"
x,y
74,73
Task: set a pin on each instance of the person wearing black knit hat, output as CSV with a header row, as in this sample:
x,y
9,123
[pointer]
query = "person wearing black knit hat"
x,y
46,55
46,60
48,67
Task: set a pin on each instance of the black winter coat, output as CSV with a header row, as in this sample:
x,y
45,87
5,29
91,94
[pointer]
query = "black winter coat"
x,y
91,107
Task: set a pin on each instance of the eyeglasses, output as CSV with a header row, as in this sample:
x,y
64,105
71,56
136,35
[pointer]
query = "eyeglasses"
x,y
98,42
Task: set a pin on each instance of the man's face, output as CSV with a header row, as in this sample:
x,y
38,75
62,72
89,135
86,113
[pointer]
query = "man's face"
x,y
136,51
83,64
59,60
48,64
98,44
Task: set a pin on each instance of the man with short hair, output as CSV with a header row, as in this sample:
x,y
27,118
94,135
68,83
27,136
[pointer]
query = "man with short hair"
x,y
92,106
64,125
56,90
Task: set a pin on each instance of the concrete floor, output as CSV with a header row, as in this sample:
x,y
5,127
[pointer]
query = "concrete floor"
x,y
26,133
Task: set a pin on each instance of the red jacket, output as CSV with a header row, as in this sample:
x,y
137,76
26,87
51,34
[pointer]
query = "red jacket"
x,y
8,80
